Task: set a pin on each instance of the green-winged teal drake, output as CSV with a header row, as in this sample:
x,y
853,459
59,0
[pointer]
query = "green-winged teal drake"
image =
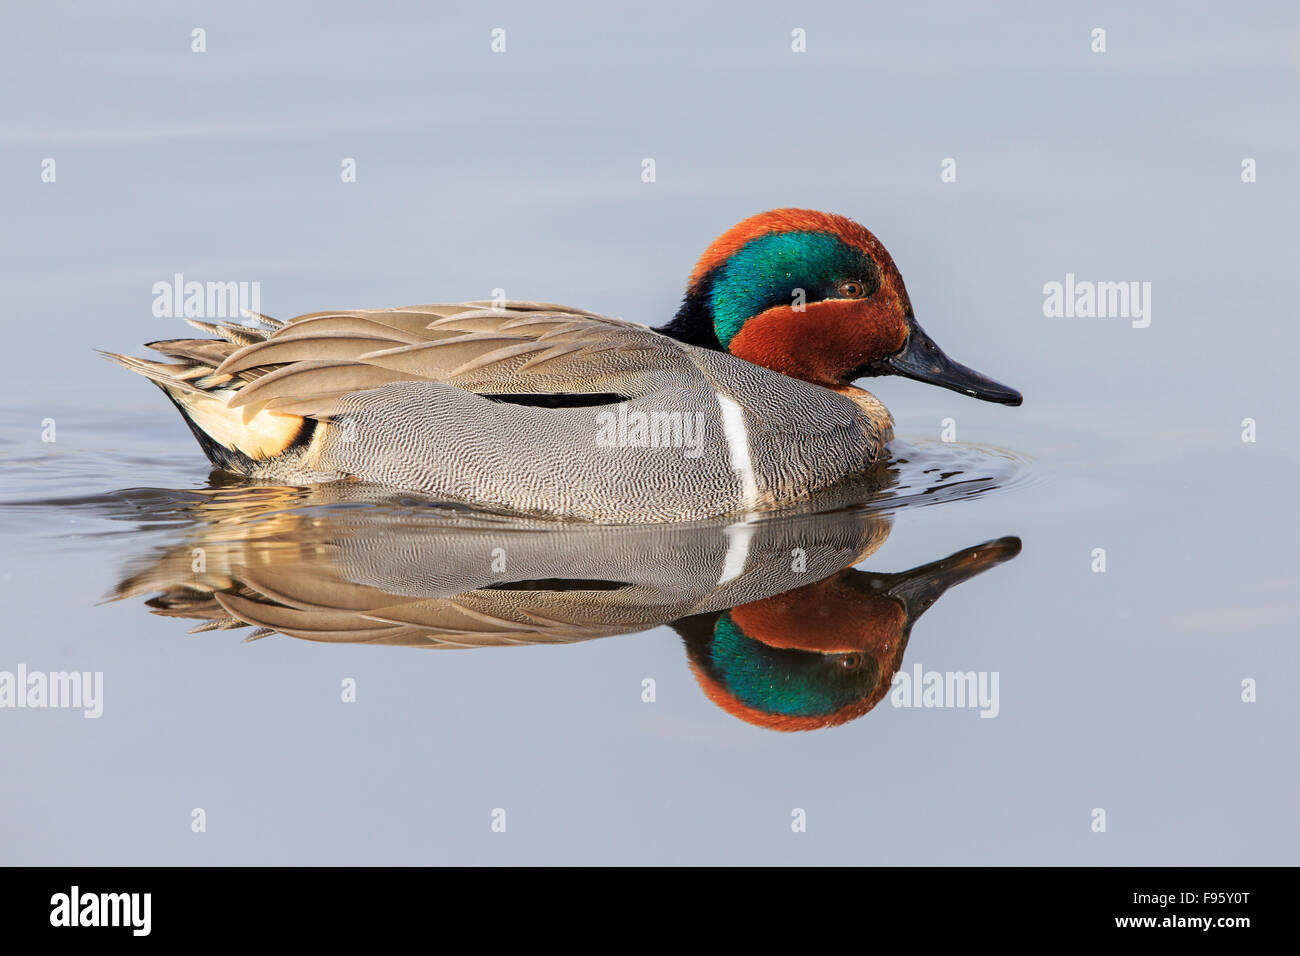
x,y
743,402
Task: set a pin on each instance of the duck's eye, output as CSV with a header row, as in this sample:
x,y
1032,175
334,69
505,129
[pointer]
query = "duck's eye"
x,y
851,662
852,289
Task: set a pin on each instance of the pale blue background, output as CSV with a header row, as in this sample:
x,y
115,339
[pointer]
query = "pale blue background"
x,y
522,171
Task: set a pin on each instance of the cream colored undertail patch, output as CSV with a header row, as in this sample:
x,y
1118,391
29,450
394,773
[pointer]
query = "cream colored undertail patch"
x,y
264,434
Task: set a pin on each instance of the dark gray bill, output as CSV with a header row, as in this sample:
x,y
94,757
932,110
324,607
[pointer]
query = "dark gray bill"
x,y
924,361
919,588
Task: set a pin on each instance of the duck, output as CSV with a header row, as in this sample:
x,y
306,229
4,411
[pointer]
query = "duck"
x,y
742,403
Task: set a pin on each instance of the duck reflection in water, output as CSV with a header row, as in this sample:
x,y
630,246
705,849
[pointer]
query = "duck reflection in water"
x,y
780,628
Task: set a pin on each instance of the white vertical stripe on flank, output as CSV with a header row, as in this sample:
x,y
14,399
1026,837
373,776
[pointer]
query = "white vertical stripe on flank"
x,y
733,427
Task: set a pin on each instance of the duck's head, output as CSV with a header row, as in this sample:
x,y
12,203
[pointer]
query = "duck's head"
x,y
825,653
817,297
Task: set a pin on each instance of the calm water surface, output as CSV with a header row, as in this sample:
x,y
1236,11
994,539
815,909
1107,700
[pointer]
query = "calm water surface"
x,y
1116,690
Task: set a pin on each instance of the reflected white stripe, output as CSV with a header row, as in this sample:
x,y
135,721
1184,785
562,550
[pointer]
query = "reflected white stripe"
x,y
738,538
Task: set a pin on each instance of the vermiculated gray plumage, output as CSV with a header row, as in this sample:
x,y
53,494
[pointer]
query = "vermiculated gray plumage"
x,y
399,398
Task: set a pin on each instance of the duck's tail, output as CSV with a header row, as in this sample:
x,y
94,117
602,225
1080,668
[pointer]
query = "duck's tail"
x,y
234,439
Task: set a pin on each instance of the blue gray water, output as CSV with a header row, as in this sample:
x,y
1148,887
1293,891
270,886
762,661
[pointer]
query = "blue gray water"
x,y
1120,691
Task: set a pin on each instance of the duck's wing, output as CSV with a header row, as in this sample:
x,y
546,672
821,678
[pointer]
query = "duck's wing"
x,y
529,351
465,620
272,587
